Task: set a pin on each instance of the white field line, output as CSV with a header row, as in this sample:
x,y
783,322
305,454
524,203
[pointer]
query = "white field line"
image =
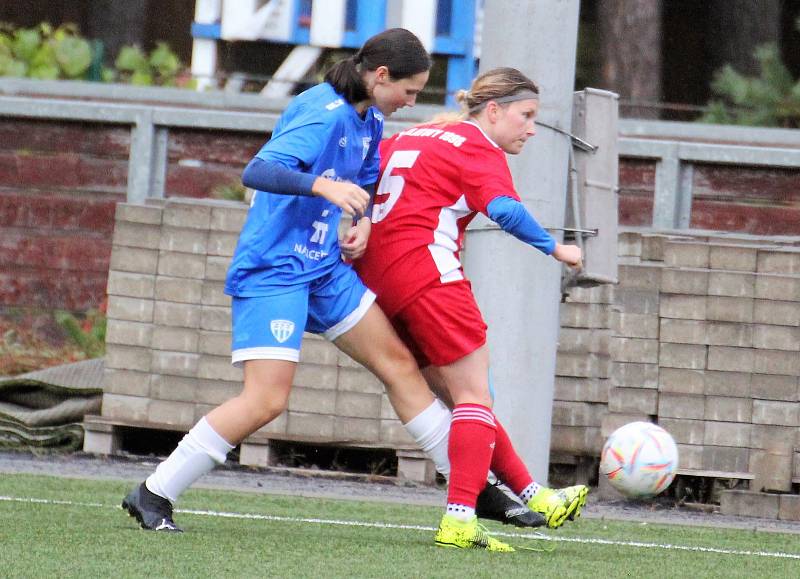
x,y
376,525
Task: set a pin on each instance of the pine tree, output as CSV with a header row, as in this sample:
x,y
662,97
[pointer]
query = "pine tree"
x,y
772,99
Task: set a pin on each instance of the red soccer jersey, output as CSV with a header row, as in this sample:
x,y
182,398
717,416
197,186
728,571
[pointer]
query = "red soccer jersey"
x,y
434,179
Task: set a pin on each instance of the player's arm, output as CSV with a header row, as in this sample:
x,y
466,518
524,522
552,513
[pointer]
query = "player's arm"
x,y
272,176
355,241
275,177
514,218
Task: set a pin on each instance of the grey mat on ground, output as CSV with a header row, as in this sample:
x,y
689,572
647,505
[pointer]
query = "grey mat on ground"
x,y
44,409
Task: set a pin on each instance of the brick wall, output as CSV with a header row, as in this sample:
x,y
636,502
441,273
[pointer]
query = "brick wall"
x,y
60,181
753,200
59,184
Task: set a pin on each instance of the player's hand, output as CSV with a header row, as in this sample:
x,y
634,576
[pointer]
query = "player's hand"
x,y
352,199
354,243
570,255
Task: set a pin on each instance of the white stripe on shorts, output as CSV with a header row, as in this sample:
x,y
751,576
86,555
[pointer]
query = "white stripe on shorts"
x,y
264,353
353,317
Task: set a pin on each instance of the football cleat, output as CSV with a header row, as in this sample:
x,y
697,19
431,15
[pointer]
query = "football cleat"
x,y
552,504
153,512
496,505
559,505
467,535
576,495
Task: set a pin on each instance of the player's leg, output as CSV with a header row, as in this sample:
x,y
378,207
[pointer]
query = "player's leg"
x,y
446,326
266,340
551,506
342,309
495,502
472,439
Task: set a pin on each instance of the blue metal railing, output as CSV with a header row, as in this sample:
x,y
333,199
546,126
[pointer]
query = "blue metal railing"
x,y
455,29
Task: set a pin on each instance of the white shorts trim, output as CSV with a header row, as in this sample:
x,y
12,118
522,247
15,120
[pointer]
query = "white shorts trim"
x,y
264,353
454,275
352,318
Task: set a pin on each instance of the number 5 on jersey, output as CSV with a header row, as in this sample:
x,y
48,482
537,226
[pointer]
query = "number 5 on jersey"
x,y
392,185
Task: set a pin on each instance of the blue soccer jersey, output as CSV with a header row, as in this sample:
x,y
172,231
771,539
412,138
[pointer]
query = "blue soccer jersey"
x,y
292,239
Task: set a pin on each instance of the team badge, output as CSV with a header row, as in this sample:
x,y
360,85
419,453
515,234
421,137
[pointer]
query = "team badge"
x,y
365,143
282,329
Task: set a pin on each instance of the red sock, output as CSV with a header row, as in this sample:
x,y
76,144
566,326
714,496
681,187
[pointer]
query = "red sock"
x,y
472,434
507,464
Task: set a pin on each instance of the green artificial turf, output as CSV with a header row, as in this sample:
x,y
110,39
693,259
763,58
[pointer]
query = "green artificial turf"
x,y
87,535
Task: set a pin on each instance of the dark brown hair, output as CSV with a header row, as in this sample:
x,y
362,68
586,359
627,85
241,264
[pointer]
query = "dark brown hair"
x,y
397,49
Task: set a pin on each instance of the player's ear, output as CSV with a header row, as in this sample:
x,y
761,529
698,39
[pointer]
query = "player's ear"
x,y
382,74
492,108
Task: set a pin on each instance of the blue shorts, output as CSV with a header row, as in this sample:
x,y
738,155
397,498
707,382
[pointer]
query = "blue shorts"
x,y
271,327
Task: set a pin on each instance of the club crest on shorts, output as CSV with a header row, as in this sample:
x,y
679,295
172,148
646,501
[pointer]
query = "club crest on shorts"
x,y
281,329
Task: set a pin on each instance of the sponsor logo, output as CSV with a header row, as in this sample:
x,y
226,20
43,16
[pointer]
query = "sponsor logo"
x,y
315,254
343,142
281,329
334,104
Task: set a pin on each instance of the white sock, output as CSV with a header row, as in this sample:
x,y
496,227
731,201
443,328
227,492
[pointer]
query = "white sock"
x,y
197,453
461,512
431,431
529,491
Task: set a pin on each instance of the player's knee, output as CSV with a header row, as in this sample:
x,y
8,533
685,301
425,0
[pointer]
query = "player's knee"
x,y
265,404
399,361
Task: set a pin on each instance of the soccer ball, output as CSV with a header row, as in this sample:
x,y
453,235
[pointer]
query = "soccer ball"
x,y
639,459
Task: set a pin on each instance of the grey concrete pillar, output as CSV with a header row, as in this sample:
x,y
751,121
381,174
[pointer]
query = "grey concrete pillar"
x,y
518,289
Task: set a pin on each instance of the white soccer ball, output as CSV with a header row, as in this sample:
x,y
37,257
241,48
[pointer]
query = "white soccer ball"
x,y
639,459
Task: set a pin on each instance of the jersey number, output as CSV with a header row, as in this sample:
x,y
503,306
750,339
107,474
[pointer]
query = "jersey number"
x,y
392,185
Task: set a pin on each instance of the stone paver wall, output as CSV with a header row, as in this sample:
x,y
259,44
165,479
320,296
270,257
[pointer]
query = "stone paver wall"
x,y
168,343
702,335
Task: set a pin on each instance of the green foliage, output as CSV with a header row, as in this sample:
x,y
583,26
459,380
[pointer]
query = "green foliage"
x,y
88,334
234,191
771,99
161,67
49,53
44,52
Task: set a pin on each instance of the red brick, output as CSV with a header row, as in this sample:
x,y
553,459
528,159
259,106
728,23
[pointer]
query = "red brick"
x,y
70,290
103,174
98,215
60,169
183,181
635,211
636,186
55,136
746,184
745,218
12,211
8,168
214,146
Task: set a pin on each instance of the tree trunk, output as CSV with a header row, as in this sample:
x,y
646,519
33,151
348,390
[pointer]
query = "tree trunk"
x,y
630,39
737,27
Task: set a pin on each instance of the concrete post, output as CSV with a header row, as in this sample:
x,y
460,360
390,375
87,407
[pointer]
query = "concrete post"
x,y
518,289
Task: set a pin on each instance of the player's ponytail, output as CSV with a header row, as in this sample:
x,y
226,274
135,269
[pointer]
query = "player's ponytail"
x,y
397,49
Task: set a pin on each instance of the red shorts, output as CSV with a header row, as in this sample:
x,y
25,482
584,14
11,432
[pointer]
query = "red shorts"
x,y
442,325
